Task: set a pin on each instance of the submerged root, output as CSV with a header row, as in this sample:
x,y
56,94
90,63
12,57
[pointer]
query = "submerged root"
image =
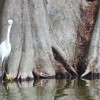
x,y
25,76
39,72
60,69
90,68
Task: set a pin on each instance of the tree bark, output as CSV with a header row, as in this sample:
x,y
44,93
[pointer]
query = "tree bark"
x,y
93,55
50,36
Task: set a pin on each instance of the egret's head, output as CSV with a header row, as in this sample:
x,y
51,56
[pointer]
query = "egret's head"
x,y
10,22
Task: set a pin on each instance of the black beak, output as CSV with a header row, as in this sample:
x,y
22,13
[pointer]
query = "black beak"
x,y
5,24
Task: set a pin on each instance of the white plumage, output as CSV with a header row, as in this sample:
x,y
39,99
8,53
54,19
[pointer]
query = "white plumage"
x,y
5,46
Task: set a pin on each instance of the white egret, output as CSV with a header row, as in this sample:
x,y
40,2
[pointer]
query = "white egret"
x,y
5,47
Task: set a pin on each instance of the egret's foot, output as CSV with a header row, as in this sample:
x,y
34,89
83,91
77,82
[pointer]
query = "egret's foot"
x,y
3,81
8,85
8,77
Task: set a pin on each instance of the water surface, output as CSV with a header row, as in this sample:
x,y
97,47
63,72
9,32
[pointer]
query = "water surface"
x,y
51,89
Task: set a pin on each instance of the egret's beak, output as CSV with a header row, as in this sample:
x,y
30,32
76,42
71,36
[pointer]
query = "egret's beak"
x,y
5,24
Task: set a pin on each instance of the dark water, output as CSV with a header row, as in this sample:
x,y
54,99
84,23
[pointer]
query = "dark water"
x,y
51,89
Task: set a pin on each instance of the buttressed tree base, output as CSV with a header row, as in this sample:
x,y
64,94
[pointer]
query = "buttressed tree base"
x,y
51,37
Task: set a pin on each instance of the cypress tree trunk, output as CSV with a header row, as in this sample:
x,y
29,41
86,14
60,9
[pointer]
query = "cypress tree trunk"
x,y
93,60
48,36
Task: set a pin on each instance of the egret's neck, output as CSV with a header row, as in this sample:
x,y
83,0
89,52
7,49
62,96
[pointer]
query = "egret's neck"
x,y
8,33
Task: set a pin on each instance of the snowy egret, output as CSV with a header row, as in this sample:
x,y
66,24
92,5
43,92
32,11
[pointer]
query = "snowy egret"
x,y
5,47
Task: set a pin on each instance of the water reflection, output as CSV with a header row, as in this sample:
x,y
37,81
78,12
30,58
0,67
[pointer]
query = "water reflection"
x,y
51,89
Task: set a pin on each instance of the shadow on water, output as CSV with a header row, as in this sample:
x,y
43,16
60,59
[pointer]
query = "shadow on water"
x,y
51,89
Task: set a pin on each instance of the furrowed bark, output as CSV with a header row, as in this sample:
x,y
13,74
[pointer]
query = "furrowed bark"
x,y
88,18
1,9
93,56
63,21
27,58
41,41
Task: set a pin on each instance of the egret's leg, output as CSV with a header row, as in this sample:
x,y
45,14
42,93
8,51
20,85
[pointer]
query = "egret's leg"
x,y
4,67
8,77
2,71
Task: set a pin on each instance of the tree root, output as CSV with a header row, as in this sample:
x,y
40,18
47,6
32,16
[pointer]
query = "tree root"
x,y
61,59
90,68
